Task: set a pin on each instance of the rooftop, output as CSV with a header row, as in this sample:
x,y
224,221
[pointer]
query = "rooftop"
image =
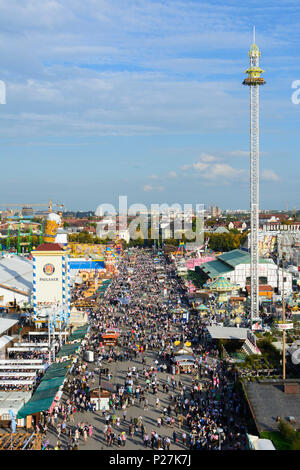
x,y
215,268
227,332
235,257
16,272
5,324
269,401
49,247
227,262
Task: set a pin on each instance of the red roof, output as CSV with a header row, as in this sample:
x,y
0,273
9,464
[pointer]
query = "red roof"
x,y
262,288
238,223
50,247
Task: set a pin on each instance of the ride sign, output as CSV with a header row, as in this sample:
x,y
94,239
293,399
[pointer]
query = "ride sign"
x,y
284,326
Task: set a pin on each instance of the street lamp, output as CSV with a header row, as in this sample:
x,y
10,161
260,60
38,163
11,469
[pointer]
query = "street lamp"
x,y
100,371
219,431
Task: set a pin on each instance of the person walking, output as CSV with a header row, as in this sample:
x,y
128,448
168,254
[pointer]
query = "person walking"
x,y
85,435
123,437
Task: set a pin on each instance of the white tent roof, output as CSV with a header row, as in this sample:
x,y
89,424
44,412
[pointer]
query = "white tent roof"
x,y
264,444
227,332
27,349
4,340
22,367
16,382
17,374
183,357
16,272
20,361
13,401
15,396
6,323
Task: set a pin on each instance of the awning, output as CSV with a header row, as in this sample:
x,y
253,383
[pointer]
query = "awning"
x,y
183,358
35,407
43,394
186,363
56,382
79,333
68,350
57,370
46,392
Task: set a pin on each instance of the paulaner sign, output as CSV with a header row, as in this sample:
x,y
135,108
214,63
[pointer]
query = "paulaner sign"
x,y
50,278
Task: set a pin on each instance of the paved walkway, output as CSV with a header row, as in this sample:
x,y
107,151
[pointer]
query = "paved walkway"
x,y
144,316
96,419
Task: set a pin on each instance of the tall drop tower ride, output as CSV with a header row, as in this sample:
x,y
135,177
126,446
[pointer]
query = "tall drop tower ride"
x,y
254,80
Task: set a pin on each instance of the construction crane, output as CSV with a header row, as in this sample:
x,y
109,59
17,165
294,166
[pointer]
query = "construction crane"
x,y
49,205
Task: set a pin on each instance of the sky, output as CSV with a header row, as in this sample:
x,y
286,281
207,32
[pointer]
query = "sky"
x,y
144,98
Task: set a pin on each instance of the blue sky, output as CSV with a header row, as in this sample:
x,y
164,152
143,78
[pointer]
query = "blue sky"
x,y
144,98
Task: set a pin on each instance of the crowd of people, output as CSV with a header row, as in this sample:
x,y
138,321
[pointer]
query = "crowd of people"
x,y
151,404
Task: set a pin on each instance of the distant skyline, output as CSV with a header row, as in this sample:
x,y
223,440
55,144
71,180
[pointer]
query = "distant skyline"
x,y
144,98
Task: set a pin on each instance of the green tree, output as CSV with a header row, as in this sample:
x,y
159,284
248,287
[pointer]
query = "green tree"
x,y
287,431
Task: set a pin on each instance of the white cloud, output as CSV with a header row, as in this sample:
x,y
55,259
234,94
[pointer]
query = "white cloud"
x,y
223,170
211,168
100,68
148,187
200,166
239,153
208,158
196,166
103,60
269,175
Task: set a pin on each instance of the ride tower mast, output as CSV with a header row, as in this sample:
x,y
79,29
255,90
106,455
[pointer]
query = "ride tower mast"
x,y
254,80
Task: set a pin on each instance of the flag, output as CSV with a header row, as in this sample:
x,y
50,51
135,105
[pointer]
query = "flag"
x,y
13,421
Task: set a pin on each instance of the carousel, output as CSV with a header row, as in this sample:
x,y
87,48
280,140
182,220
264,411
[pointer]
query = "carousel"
x,y
202,309
222,288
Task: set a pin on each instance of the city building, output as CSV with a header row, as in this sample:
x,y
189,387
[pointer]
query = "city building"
x,y
215,211
27,211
